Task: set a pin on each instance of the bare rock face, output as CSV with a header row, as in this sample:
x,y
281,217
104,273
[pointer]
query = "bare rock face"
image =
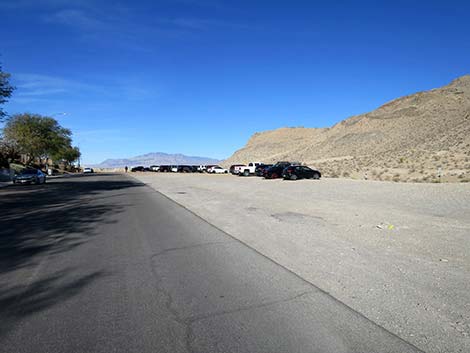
x,y
420,137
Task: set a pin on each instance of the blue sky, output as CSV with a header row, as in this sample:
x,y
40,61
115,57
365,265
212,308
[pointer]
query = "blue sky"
x,y
199,77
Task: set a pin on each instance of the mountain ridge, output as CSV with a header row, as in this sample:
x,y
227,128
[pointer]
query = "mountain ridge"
x,y
156,158
426,131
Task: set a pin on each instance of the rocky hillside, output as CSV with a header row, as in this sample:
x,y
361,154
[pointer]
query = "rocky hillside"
x,y
156,158
412,138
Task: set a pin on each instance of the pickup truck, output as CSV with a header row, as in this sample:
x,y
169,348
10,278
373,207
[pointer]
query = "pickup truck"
x,y
249,169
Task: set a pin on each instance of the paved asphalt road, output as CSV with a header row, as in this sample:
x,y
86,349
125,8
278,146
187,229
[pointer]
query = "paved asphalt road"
x,y
105,264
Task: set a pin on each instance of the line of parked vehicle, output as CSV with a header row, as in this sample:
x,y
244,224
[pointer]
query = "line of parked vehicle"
x,y
283,169
213,169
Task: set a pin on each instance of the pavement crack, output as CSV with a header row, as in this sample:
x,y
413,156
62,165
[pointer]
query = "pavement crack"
x,y
193,319
189,247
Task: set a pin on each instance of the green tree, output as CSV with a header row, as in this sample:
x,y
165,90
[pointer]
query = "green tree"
x,y
68,154
5,91
8,153
36,136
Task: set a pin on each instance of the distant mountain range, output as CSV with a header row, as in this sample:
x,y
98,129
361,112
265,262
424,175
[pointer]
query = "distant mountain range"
x,y
156,158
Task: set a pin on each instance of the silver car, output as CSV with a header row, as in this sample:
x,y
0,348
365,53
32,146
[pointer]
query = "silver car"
x,y
30,176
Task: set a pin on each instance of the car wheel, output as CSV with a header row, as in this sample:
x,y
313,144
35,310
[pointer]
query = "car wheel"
x,y
246,173
316,176
226,172
293,177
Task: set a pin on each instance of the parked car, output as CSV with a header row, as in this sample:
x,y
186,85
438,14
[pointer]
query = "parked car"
x,y
207,168
164,168
174,169
235,168
88,170
139,168
154,168
249,169
259,171
29,176
185,169
276,170
295,172
218,170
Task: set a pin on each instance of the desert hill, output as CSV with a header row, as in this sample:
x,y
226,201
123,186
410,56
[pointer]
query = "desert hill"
x,y
412,138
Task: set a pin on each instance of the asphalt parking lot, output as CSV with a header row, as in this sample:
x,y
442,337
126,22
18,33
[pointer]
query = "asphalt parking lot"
x,y
103,263
398,253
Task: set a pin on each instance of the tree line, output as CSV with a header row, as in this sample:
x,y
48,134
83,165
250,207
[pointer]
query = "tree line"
x,y
31,138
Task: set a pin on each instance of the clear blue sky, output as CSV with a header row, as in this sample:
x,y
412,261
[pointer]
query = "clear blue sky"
x,y
201,76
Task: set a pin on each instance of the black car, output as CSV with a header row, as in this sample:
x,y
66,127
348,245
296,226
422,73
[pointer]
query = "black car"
x,y
165,168
138,169
259,171
295,172
275,171
30,176
185,169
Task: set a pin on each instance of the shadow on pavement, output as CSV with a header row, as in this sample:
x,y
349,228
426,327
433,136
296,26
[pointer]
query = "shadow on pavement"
x,y
20,301
36,221
53,218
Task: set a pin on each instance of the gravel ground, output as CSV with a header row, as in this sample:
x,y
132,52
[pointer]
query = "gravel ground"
x,y
398,253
